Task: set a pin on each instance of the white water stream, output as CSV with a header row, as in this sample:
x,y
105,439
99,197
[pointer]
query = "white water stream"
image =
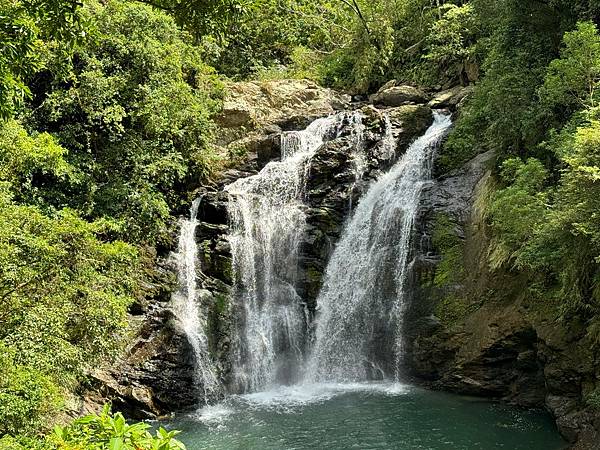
x,y
186,305
361,304
267,221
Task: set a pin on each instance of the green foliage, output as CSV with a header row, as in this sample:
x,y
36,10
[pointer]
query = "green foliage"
x,y
27,397
304,64
30,164
205,17
453,38
384,41
135,117
593,399
25,29
547,221
111,432
572,79
503,114
518,211
353,45
20,54
555,230
107,152
64,292
273,34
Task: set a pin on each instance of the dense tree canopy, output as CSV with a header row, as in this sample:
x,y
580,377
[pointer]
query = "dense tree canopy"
x,y
108,110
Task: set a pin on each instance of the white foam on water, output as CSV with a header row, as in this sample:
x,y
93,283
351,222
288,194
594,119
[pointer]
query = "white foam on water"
x,y
213,416
290,398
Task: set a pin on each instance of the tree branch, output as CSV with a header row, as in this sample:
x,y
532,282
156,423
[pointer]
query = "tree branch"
x,y
354,7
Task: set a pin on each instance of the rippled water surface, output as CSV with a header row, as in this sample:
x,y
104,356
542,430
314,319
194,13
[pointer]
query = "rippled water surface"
x,y
364,416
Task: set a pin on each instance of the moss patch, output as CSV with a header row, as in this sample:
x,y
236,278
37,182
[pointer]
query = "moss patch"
x,y
451,248
453,308
221,303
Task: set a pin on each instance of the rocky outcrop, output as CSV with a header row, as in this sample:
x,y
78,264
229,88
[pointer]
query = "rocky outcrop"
x,y
392,95
256,112
289,104
486,332
450,98
155,374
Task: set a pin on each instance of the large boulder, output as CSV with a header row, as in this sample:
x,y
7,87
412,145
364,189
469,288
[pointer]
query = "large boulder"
x,y
398,96
256,104
255,113
450,98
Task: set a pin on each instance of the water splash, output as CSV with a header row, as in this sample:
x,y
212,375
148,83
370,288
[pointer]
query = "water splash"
x,y
362,301
295,397
267,222
186,308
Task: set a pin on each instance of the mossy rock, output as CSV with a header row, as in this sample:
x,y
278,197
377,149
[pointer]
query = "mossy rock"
x,y
412,119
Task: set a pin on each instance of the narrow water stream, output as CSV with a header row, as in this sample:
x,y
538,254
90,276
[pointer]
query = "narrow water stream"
x,y
190,316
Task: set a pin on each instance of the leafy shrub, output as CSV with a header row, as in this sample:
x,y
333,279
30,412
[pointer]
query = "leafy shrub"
x,y
28,399
518,211
26,30
111,432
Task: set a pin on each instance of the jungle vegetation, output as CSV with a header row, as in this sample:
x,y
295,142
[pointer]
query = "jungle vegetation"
x,y
107,123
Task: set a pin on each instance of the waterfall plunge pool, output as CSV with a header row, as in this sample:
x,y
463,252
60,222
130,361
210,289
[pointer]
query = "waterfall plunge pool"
x,y
364,416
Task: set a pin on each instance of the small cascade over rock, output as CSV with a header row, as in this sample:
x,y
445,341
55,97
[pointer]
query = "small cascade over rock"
x,y
267,223
186,306
361,303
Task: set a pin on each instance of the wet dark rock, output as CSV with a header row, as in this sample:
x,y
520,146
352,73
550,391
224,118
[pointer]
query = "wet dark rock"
x,y
409,121
155,375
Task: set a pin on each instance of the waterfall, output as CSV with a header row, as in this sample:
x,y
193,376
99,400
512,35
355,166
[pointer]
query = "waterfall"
x,y
267,224
361,303
186,308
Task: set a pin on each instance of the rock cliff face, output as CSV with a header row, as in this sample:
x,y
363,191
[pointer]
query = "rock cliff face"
x,y
488,333
155,374
332,186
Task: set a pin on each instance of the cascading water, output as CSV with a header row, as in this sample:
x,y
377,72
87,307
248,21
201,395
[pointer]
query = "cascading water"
x,y
361,314
186,308
267,220
361,303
